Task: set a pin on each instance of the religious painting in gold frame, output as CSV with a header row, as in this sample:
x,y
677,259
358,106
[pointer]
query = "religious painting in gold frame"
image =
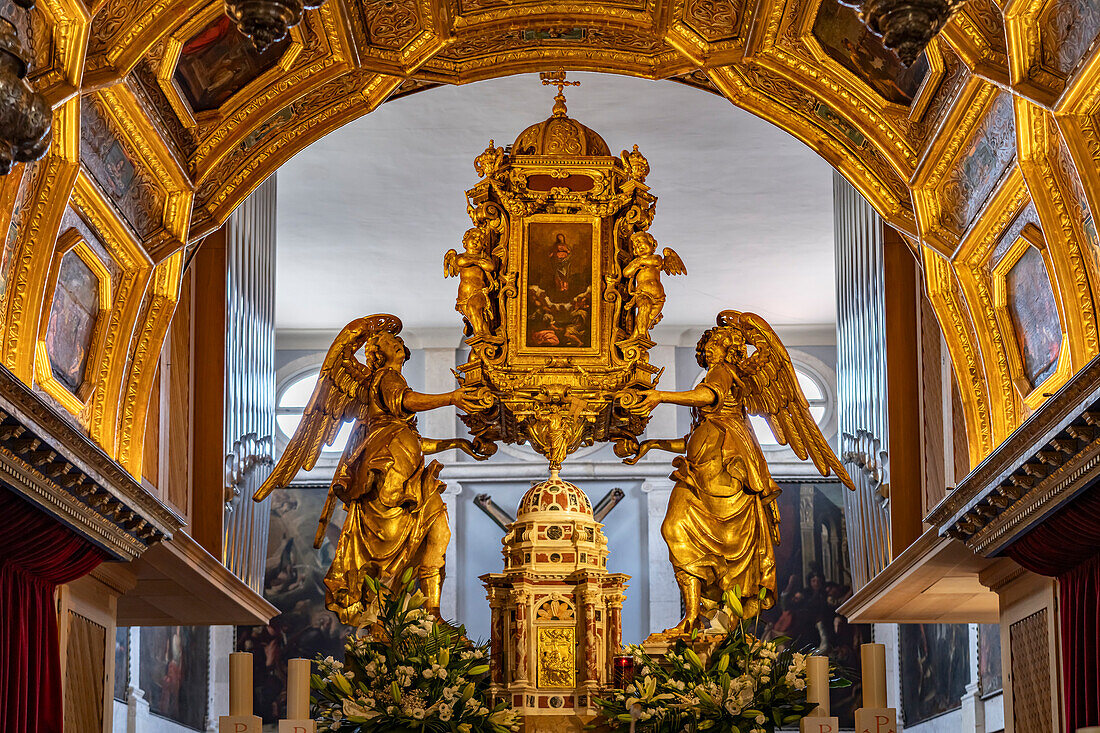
x,y
560,279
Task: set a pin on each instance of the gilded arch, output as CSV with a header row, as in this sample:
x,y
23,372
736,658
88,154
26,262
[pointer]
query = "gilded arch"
x,y
1013,77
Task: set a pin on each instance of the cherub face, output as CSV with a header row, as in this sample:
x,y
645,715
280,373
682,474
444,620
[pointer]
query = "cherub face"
x,y
642,245
474,241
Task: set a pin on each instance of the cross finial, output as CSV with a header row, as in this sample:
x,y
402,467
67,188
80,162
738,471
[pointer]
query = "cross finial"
x,y
557,79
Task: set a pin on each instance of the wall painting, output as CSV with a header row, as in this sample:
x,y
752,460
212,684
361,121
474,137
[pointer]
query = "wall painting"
x,y
561,271
173,670
934,669
814,580
989,659
118,170
1034,312
73,317
217,62
122,662
1069,29
11,233
983,163
293,584
839,31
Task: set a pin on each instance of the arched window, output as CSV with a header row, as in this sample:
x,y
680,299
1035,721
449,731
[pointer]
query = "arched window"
x,y
817,394
290,403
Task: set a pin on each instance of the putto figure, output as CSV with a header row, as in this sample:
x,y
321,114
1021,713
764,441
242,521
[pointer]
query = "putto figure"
x,y
647,294
722,521
396,517
475,269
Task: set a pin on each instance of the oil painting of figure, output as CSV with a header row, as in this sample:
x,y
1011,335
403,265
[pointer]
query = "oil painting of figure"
x,y
935,669
173,671
293,583
814,580
1034,316
217,62
560,281
72,321
846,39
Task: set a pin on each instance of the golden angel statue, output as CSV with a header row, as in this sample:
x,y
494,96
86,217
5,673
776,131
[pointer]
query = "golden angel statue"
x,y
396,517
475,269
647,294
722,521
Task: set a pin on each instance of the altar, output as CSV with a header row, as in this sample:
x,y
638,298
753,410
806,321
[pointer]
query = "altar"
x,y
559,288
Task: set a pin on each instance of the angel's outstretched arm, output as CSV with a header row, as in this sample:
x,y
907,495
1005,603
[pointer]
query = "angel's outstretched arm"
x,y
701,396
465,398
476,449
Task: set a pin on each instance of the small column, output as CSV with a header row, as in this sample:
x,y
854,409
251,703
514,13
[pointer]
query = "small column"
x,y
591,637
519,601
496,634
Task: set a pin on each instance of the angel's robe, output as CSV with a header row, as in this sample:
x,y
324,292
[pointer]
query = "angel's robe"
x,y
719,527
398,519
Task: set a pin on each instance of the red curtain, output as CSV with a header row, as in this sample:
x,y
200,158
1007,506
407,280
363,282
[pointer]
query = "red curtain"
x,y
37,554
1067,546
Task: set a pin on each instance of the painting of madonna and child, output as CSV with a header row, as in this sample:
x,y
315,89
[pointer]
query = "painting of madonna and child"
x,y
559,281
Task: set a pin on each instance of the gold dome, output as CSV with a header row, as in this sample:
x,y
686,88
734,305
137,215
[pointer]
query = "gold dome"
x,y
560,135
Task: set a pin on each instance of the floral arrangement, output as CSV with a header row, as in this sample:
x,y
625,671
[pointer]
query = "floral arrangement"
x,y
730,682
408,671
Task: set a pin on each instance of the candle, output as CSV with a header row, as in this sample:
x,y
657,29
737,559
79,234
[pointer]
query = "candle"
x,y
240,683
817,685
623,666
873,658
297,689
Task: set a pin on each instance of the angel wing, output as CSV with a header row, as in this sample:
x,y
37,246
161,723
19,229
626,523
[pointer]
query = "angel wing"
x,y
450,263
335,399
775,395
672,264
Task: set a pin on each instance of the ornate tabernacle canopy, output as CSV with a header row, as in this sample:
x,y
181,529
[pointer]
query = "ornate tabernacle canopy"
x,y
557,309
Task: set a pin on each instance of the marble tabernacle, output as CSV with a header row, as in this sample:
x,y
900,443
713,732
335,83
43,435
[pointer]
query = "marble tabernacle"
x,y
556,610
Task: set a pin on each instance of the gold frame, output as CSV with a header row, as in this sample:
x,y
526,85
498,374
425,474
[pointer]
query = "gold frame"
x,y
518,346
1031,396
166,71
72,240
915,110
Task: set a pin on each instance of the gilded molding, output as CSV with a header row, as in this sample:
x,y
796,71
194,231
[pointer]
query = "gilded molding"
x,y
975,272
53,465
1052,456
52,182
145,348
949,304
93,207
1039,146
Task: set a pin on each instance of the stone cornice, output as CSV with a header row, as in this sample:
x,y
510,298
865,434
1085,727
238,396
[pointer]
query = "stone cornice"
x,y
58,468
1047,460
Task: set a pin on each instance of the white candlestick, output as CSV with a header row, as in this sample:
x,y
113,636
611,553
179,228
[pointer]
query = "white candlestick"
x,y
240,683
297,689
817,685
873,658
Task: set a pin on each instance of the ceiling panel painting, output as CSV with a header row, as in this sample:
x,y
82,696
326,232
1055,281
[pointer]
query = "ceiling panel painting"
x,y
217,62
846,39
